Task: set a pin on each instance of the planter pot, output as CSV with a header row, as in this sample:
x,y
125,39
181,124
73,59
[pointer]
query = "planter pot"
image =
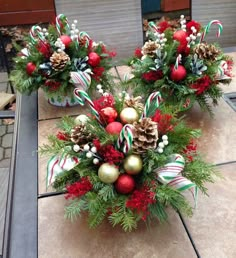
x,y
174,5
59,100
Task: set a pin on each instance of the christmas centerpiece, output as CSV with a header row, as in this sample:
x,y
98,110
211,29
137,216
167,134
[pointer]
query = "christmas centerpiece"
x,y
125,161
58,59
180,64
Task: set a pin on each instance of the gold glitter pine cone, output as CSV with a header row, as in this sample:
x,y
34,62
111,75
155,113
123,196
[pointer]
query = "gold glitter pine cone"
x,y
145,135
207,51
59,60
79,135
135,103
150,48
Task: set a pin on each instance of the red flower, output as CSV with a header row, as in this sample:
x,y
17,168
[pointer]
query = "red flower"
x,y
108,153
103,102
152,76
78,188
138,52
97,73
164,122
62,136
140,200
44,48
202,84
163,26
193,24
52,85
110,53
190,150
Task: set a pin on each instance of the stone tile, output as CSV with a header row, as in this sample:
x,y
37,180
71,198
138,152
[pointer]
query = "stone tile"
x,y
5,163
218,139
3,197
2,130
7,140
213,223
47,111
7,153
123,71
1,153
76,240
10,128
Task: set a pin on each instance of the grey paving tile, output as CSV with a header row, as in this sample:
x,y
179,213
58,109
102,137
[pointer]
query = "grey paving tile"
x,y
2,130
7,153
7,140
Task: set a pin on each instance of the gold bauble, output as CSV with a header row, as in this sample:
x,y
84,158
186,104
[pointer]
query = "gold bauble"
x,y
108,173
81,120
133,164
129,115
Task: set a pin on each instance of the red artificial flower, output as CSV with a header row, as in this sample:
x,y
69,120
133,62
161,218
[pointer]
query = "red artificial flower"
x,y
103,102
152,76
97,73
202,84
62,136
52,85
190,150
138,52
164,122
140,200
228,71
78,188
162,26
110,53
193,24
108,153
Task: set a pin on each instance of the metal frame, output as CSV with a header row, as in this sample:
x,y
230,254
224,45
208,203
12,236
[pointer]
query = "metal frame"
x,y
227,97
21,224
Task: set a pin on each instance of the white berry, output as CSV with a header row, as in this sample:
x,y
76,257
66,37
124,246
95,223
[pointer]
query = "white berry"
x,y
95,161
86,147
199,34
76,31
165,142
99,86
94,149
159,150
76,148
100,91
75,21
161,145
89,155
181,16
164,137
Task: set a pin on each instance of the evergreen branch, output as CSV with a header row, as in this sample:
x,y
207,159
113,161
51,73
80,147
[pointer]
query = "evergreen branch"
x,y
54,147
158,210
65,178
74,209
66,124
107,192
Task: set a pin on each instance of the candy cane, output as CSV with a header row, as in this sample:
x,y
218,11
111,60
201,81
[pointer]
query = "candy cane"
x,y
61,23
207,29
36,33
125,138
82,96
82,35
170,174
56,165
81,78
152,26
155,95
178,60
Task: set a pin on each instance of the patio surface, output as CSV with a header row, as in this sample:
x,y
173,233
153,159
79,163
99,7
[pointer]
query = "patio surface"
x,y
212,227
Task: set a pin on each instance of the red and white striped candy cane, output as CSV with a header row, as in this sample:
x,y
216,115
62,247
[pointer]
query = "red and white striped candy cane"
x,y
155,96
125,138
207,29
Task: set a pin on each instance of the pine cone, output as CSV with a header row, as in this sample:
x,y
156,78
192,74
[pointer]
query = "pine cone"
x,y
79,135
207,51
145,135
135,103
59,60
150,48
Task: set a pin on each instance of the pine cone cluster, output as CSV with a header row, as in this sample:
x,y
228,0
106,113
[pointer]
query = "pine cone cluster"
x,y
150,48
145,135
207,51
135,103
79,135
59,60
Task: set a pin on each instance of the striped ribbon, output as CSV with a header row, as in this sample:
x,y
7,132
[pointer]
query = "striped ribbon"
x,y
207,29
170,174
81,79
125,138
223,67
178,60
155,96
62,24
57,165
83,35
36,33
82,96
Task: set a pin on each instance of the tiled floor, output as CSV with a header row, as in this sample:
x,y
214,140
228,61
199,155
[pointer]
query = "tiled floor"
x,y
212,226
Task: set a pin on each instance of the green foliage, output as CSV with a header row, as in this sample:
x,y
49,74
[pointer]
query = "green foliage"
x,y
54,147
74,209
66,124
65,178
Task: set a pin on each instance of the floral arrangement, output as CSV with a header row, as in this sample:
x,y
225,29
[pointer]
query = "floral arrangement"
x,y
180,64
60,58
125,161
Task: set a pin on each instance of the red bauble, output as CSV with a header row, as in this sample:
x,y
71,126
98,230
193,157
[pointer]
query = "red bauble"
x,y
94,59
178,74
125,184
180,36
114,128
30,68
109,114
66,40
44,48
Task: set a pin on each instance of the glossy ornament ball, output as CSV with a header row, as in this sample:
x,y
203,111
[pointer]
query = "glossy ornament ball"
x,y
66,40
180,36
133,164
129,115
125,184
108,173
81,120
114,128
30,68
109,114
94,59
178,74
